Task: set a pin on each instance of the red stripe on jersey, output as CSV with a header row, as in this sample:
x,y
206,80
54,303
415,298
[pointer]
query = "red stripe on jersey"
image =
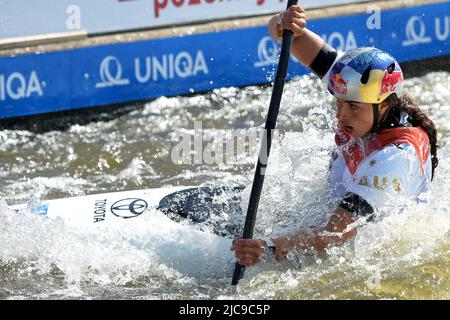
x,y
355,151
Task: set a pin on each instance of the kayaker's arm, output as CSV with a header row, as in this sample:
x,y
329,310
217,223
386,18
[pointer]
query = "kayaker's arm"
x,y
336,231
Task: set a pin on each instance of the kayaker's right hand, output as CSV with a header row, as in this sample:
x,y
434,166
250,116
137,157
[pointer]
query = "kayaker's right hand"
x,y
293,19
248,251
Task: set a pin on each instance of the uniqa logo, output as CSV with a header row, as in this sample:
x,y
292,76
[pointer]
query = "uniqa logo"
x,y
415,32
129,208
340,41
267,52
153,68
111,73
16,86
170,66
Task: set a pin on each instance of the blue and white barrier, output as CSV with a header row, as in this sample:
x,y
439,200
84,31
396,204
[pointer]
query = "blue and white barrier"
x,y
102,75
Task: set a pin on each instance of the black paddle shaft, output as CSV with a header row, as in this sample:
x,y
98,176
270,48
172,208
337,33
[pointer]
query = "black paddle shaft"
x,y
264,152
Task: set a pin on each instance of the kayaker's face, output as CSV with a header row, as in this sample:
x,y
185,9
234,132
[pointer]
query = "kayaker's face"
x,y
355,118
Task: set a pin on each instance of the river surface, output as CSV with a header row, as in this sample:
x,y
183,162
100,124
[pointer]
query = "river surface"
x,y
406,255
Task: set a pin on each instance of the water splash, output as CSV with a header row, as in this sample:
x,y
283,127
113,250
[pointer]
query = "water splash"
x,y
402,256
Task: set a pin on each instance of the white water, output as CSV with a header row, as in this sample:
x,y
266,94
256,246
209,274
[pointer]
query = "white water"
x,y
404,255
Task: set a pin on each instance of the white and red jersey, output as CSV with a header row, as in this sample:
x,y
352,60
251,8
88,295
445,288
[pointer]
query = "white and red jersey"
x,y
390,163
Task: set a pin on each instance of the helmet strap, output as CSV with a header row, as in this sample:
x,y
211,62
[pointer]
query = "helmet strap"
x,y
375,117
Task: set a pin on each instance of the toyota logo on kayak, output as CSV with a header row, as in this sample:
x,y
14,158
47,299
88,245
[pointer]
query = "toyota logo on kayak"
x,y
129,208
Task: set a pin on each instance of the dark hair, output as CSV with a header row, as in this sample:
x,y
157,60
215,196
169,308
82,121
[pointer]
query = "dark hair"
x,y
417,118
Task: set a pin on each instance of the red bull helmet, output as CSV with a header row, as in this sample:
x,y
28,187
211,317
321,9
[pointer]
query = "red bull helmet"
x,y
366,75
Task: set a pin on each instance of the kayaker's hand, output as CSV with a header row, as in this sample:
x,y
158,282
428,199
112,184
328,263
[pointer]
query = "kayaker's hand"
x,y
248,251
293,19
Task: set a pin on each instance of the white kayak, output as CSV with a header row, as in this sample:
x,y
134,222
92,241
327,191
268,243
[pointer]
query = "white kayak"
x,y
189,228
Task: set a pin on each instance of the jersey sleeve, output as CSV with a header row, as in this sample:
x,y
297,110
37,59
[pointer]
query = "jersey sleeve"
x,y
387,174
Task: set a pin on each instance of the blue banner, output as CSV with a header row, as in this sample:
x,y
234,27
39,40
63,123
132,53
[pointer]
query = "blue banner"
x,y
102,75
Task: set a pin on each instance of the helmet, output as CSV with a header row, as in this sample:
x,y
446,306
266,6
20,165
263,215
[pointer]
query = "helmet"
x,y
366,75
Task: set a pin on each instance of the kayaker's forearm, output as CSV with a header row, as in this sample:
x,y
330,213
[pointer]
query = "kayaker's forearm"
x,y
302,241
306,47
334,233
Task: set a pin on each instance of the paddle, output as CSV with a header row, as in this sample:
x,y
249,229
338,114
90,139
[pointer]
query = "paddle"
x,y
264,152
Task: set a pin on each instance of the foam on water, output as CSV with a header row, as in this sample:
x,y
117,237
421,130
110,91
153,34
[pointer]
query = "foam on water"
x,y
155,250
